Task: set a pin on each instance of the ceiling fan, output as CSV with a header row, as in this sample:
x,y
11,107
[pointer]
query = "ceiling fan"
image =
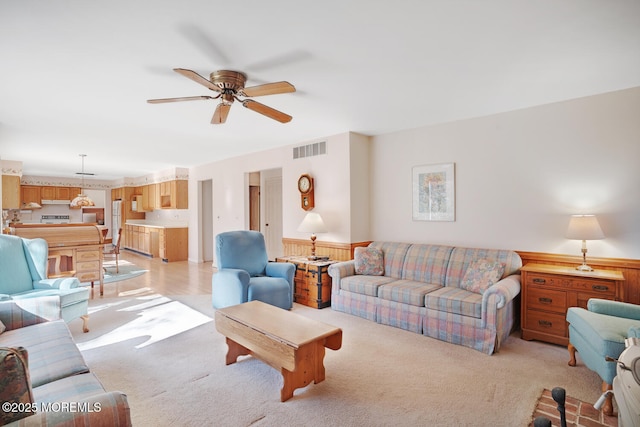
x,y
230,87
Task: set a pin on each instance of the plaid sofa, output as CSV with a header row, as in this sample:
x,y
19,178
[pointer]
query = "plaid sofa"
x,y
44,380
420,291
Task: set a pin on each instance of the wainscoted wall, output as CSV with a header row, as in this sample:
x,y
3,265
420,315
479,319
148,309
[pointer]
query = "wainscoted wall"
x,y
630,268
334,250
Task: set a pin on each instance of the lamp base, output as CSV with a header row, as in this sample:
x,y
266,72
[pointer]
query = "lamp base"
x,y
584,267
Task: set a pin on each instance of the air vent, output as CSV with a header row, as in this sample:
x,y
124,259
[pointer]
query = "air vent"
x,y
310,150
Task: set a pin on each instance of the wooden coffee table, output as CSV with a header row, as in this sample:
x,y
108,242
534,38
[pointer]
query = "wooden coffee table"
x,y
290,343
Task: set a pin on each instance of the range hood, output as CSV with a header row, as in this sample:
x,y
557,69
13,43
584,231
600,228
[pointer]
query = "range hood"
x,y
56,202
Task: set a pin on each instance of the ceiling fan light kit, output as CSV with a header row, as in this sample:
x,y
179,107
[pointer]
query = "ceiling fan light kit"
x,y
230,85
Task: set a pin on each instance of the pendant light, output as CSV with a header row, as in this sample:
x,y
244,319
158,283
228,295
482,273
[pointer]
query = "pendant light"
x,y
82,200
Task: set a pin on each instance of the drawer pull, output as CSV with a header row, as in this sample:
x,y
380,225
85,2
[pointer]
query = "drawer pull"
x,y
545,323
545,300
539,281
601,288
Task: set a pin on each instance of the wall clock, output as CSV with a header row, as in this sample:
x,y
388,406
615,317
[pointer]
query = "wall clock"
x,y
305,186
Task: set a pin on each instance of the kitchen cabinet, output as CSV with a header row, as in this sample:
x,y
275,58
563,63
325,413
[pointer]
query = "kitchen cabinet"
x,y
170,244
30,194
59,193
10,192
174,244
174,194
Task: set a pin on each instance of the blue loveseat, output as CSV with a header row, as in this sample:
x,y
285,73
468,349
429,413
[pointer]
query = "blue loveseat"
x,y
23,274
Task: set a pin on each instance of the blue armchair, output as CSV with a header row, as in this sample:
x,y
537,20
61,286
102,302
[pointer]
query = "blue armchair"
x,y
245,273
599,332
23,274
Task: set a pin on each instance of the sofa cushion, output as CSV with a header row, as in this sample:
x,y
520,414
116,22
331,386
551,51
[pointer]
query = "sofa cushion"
x,y
69,389
368,261
455,301
394,254
52,351
461,258
406,291
426,263
481,274
365,285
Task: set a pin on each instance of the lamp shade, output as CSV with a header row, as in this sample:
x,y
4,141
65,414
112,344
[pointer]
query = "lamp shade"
x,y
312,223
584,227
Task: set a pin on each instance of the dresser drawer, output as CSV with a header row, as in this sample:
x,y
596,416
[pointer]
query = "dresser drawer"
x,y
88,266
88,276
548,323
87,256
605,289
546,299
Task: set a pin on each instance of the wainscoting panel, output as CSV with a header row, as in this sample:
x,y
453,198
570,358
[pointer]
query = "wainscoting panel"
x,y
630,268
335,251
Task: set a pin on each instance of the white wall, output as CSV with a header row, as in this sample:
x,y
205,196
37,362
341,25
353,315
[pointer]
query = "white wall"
x,y
519,176
331,174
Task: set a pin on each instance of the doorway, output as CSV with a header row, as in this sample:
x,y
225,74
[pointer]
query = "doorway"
x,y
206,220
265,208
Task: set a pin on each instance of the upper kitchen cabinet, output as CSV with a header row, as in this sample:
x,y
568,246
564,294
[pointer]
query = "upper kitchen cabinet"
x,y
174,194
30,194
59,193
10,192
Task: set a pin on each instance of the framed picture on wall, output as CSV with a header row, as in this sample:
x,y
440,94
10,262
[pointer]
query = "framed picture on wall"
x,y
434,192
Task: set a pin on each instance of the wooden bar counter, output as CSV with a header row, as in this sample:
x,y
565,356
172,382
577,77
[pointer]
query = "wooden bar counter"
x,y
74,249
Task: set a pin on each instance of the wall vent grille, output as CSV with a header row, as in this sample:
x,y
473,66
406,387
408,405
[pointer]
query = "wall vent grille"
x,y
310,150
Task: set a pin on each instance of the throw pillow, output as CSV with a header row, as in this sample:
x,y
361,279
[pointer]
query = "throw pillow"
x,y
369,261
481,274
15,384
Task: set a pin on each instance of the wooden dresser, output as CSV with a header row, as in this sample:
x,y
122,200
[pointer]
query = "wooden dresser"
x,y
549,290
312,281
74,249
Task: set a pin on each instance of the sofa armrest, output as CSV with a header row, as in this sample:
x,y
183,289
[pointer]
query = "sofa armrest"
x,y
58,283
29,311
107,409
503,291
338,271
342,269
614,308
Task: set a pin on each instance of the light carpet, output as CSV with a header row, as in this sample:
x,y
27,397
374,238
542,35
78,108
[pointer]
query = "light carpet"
x,y
167,356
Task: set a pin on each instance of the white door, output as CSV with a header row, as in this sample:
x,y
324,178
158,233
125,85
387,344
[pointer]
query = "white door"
x,y
273,216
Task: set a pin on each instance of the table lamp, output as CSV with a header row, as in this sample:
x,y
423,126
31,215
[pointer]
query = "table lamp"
x,y
584,227
312,223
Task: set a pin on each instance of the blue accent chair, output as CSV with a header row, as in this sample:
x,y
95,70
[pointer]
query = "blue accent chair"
x,y
599,332
245,273
23,274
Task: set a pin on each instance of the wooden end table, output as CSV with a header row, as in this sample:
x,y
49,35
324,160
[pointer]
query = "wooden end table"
x,y
288,342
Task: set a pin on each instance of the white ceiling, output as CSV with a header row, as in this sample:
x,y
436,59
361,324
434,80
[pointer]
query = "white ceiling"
x,y
76,74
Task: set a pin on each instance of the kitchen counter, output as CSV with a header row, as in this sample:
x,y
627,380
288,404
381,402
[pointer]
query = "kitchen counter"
x,y
157,224
167,240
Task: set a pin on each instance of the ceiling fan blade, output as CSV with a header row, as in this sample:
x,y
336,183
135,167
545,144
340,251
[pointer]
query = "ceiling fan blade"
x,y
269,89
221,113
197,78
267,111
186,98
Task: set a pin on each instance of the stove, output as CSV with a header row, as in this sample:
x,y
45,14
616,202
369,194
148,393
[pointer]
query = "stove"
x,y
55,219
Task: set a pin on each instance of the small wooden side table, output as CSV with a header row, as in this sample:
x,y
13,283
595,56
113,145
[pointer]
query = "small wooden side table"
x,y
549,290
312,281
